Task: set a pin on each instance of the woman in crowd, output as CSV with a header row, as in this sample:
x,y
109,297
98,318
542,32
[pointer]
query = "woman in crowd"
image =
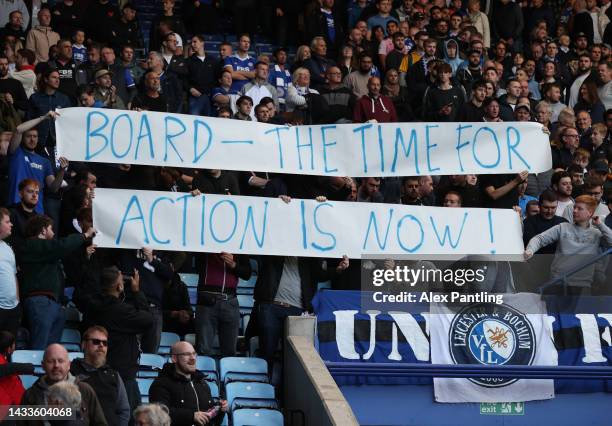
x,y
588,100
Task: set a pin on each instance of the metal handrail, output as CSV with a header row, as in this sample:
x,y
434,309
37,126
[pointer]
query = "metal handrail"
x,y
564,277
468,370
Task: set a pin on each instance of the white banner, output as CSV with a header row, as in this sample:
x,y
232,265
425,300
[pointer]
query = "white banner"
x,y
254,225
391,149
491,334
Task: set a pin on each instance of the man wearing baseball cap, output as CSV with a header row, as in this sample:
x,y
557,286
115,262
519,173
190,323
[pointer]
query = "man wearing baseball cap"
x,y
105,91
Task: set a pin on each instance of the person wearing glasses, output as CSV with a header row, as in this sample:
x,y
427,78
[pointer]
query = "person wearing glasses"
x,y
569,142
593,186
56,366
184,390
105,381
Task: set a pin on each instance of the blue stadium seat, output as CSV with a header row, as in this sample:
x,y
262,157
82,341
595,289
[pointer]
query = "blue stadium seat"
x,y
191,338
28,380
208,366
213,45
150,364
74,355
257,417
234,369
73,316
246,303
244,323
214,389
32,357
143,386
246,287
71,339
248,283
68,292
250,395
190,280
193,295
254,266
167,340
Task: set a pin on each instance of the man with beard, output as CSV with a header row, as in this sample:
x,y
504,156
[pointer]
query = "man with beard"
x,y
471,72
357,81
561,183
11,89
151,99
584,72
410,191
29,190
105,91
184,390
105,381
56,365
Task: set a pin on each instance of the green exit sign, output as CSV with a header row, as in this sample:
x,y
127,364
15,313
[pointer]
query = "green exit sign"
x,y
502,408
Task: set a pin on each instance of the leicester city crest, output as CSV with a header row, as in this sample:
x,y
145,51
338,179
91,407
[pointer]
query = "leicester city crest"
x,y
491,334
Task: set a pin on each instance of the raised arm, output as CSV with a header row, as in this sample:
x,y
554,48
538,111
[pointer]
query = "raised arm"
x,y
28,125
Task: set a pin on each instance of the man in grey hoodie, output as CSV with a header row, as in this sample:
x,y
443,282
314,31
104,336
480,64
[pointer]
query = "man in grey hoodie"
x,y
576,243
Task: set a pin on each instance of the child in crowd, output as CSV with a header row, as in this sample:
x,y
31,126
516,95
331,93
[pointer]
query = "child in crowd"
x,y
576,242
87,99
582,157
79,51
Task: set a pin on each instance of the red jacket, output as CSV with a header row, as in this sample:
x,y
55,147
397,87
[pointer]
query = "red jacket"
x,y
11,389
380,109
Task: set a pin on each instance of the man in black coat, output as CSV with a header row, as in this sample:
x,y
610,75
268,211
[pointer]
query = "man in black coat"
x,y
417,78
126,29
124,321
169,83
184,390
543,221
201,72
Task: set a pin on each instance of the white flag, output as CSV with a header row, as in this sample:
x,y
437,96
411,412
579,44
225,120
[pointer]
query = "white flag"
x,y
516,332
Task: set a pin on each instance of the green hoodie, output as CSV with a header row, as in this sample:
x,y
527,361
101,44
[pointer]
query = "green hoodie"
x,y
39,263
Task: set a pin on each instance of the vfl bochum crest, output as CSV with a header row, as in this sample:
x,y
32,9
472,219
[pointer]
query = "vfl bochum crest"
x,y
491,334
